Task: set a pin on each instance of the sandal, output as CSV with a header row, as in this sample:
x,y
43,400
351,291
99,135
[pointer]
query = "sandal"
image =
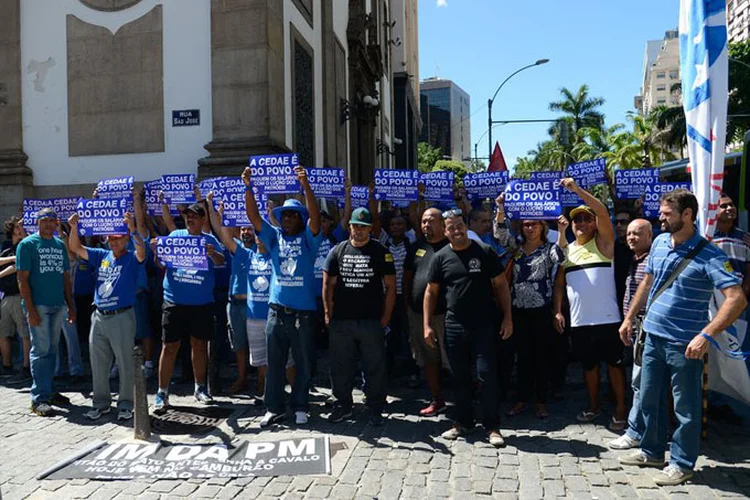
x,y
517,409
541,411
587,416
617,425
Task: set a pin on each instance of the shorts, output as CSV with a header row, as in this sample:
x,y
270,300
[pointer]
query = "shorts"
x,y
422,353
237,314
596,343
258,348
179,322
12,318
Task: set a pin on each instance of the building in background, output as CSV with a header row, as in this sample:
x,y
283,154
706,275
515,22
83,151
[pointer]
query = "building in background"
x,y
738,20
661,71
445,109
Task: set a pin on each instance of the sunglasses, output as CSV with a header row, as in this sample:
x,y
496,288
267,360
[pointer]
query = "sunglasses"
x,y
454,212
583,218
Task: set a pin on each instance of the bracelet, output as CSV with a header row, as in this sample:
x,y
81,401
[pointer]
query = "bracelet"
x,y
247,188
707,337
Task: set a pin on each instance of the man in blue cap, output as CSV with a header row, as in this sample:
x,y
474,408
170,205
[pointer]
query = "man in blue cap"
x,y
292,307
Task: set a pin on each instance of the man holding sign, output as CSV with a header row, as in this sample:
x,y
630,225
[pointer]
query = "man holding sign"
x,y
292,314
113,322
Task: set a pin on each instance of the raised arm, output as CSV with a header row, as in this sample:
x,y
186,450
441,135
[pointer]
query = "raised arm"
x,y
74,242
217,223
135,233
168,220
500,227
140,214
347,205
251,206
606,233
312,204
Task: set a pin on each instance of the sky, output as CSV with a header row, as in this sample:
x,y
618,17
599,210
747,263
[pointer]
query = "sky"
x,y
478,43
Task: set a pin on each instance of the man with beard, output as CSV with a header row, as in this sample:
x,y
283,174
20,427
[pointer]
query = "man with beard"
x,y
416,277
470,273
733,240
678,334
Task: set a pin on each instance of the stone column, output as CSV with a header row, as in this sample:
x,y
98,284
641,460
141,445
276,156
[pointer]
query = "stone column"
x,y
15,177
247,71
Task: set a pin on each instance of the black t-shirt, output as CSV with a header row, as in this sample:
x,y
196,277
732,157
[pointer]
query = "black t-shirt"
x,y
623,258
9,284
418,261
467,276
359,292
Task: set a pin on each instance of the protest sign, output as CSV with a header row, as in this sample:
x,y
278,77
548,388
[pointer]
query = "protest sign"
x,y
360,197
231,191
178,189
438,185
102,217
654,192
631,184
588,173
162,460
532,200
63,207
119,187
327,182
29,222
275,173
396,184
205,186
570,199
553,175
567,199
183,252
485,184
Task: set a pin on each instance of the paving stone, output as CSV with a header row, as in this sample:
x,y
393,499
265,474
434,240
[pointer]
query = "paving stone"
x,y
319,491
462,484
415,480
343,491
553,487
482,474
597,479
461,470
506,472
483,487
185,489
504,485
617,477
551,473
577,483
275,488
489,462
439,475
207,491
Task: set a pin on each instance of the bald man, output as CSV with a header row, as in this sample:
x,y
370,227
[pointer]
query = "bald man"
x,y
638,238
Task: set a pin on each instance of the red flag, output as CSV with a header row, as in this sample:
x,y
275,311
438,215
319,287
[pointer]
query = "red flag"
x,y
497,162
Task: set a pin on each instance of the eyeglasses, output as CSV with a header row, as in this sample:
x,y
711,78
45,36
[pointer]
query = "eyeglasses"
x,y
582,218
454,212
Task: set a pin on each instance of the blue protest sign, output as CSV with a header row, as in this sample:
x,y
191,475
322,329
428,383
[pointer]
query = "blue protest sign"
x,y
546,175
183,252
119,187
438,185
631,184
63,207
205,186
178,189
653,194
29,221
570,199
396,184
360,197
231,191
588,173
532,200
485,184
275,173
102,217
327,182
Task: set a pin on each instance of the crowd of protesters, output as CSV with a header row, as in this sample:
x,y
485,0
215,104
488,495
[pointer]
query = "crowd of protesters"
x,y
458,290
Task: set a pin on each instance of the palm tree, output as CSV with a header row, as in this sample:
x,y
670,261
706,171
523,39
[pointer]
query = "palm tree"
x,y
580,111
671,121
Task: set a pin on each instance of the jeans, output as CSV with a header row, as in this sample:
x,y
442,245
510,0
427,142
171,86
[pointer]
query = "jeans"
x,y
44,341
73,348
296,329
358,339
665,362
237,312
469,346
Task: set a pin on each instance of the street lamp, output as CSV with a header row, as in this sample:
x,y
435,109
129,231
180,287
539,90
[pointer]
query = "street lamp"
x,y
489,102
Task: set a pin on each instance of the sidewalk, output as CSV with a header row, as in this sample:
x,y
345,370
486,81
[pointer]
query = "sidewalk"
x,y
404,458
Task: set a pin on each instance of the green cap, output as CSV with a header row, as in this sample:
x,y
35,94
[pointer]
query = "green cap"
x,y
361,216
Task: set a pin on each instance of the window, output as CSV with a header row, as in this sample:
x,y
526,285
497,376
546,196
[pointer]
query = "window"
x,y
660,75
674,75
661,88
661,101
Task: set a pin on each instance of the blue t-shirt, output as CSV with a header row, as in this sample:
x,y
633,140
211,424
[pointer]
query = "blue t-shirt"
x,y
339,233
258,280
47,261
238,278
320,261
189,287
117,279
500,250
142,275
224,271
681,311
84,278
293,259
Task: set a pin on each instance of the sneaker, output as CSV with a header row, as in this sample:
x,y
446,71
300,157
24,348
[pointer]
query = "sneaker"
x,y
624,442
202,396
496,439
114,372
58,399
339,414
300,417
641,460
42,409
6,372
270,418
375,419
435,408
96,413
672,476
453,433
124,414
161,402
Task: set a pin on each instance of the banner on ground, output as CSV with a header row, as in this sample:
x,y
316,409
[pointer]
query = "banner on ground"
x,y
288,457
485,184
588,173
360,198
102,217
64,207
438,185
631,184
532,200
178,189
393,184
275,173
327,182
183,252
653,194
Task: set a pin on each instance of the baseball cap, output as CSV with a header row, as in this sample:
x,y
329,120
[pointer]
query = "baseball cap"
x,y
46,213
362,217
582,209
196,208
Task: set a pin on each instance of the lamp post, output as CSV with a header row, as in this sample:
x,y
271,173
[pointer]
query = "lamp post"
x,y
489,101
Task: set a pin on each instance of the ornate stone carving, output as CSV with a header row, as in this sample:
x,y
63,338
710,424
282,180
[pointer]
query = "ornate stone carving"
x,y
109,5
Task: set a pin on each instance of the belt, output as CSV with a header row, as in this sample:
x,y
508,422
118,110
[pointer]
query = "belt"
x,y
113,311
238,298
284,310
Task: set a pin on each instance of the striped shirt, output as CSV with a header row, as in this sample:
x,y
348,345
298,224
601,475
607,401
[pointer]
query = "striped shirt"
x,y
636,273
399,256
681,311
733,244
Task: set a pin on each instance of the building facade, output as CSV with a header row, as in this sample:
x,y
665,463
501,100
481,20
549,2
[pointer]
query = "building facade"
x,y
445,109
661,71
738,20
103,88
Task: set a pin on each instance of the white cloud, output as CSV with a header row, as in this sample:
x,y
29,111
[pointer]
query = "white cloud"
x,y
442,3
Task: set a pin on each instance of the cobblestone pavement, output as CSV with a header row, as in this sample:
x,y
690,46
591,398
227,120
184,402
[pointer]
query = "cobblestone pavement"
x,y
404,458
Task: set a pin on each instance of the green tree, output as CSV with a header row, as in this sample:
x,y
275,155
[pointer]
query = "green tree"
x,y
579,109
427,156
477,166
739,91
458,168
